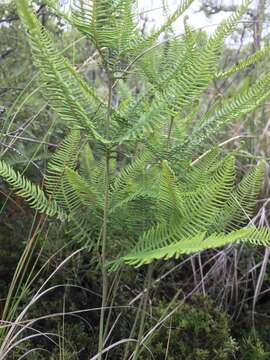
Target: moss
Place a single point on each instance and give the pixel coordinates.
(253, 347)
(198, 330)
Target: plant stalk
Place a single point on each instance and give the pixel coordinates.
(104, 227)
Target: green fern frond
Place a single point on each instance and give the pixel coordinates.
(80, 192)
(169, 197)
(185, 86)
(146, 43)
(84, 204)
(202, 205)
(245, 102)
(87, 162)
(110, 25)
(196, 220)
(245, 63)
(202, 171)
(193, 245)
(65, 156)
(188, 213)
(81, 229)
(242, 202)
(129, 172)
(182, 125)
(67, 91)
(34, 196)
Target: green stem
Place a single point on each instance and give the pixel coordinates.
(104, 228)
(170, 132)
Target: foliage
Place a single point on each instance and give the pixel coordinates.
(185, 219)
(197, 330)
(131, 180)
(253, 348)
(253, 335)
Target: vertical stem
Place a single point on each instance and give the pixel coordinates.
(169, 132)
(258, 19)
(104, 227)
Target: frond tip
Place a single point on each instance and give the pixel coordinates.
(30, 192)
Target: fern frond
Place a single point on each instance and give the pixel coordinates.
(245, 63)
(65, 156)
(143, 46)
(87, 162)
(188, 213)
(201, 172)
(84, 203)
(110, 25)
(169, 197)
(240, 207)
(129, 172)
(197, 220)
(34, 196)
(186, 85)
(193, 245)
(245, 102)
(80, 192)
(113, 25)
(202, 205)
(66, 90)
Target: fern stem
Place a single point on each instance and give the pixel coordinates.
(105, 223)
(170, 132)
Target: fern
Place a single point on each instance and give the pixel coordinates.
(134, 171)
(185, 85)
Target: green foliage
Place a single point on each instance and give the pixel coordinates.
(242, 201)
(253, 334)
(198, 330)
(65, 156)
(253, 348)
(66, 90)
(189, 219)
(245, 63)
(243, 103)
(167, 207)
(130, 180)
(30, 192)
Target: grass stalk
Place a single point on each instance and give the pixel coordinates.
(142, 322)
